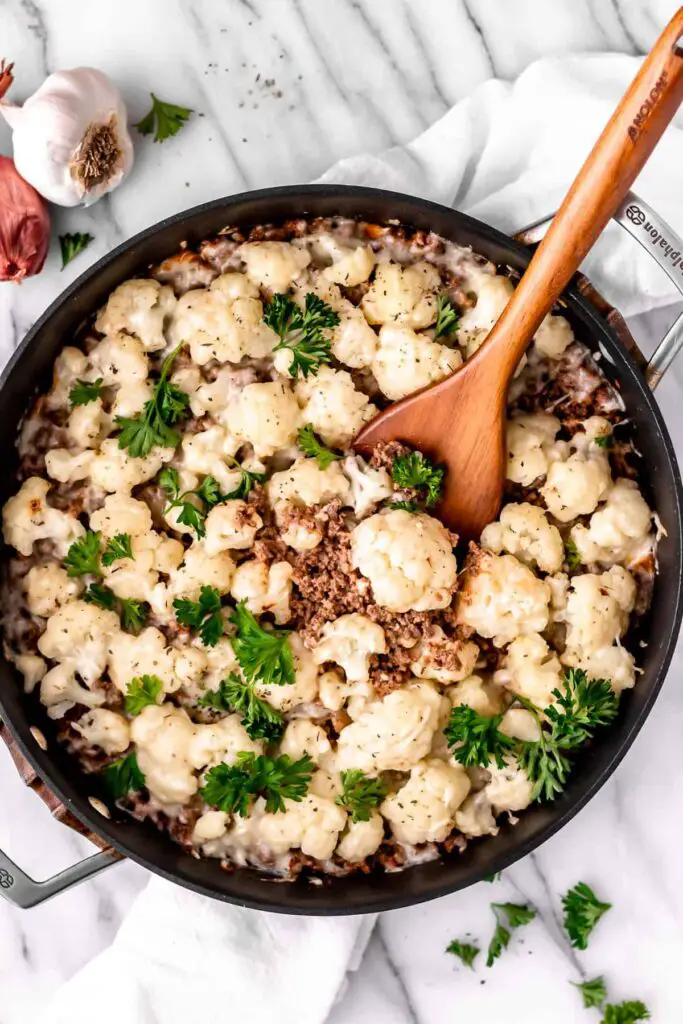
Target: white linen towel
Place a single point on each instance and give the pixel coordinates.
(506, 155)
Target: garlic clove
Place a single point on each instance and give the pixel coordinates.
(71, 140)
(24, 226)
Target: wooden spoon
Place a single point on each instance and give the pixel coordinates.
(461, 420)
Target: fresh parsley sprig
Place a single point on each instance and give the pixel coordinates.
(164, 119)
(516, 915)
(98, 593)
(233, 788)
(476, 739)
(123, 776)
(118, 547)
(310, 445)
(446, 317)
(83, 556)
(85, 391)
(260, 720)
(301, 330)
(263, 655)
(248, 480)
(142, 691)
(203, 615)
(154, 425)
(465, 951)
(593, 993)
(190, 514)
(360, 794)
(582, 911)
(629, 1012)
(133, 614)
(572, 557)
(415, 472)
(604, 440)
(71, 245)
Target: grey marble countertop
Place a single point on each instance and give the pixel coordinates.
(287, 87)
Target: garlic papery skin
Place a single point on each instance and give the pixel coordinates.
(71, 139)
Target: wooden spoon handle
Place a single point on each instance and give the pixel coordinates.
(613, 164)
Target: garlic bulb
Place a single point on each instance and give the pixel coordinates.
(70, 138)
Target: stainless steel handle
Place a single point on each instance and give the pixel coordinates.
(665, 247)
(23, 891)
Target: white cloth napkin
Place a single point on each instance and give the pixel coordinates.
(506, 155)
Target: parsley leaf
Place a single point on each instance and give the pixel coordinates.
(477, 738)
(154, 425)
(415, 471)
(71, 245)
(582, 911)
(203, 615)
(547, 768)
(301, 331)
(142, 690)
(164, 119)
(169, 481)
(465, 951)
(572, 557)
(247, 481)
(593, 993)
(626, 1013)
(209, 491)
(262, 654)
(604, 440)
(446, 317)
(97, 593)
(360, 794)
(83, 556)
(190, 514)
(516, 915)
(492, 878)
(85, 391)
(260, 720)
(584, 705)
(233, 788)
(310, 445)
(133, 614)
(122, 776)
(118, 547)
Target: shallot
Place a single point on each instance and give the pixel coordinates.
(24, 225)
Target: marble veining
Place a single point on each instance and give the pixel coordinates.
(282, 89)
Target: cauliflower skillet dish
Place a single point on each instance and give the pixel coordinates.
(271, 648)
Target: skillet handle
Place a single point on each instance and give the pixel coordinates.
(664, 246)
(15, 885)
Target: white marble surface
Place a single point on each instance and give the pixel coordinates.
(410, 60)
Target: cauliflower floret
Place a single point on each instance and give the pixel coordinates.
(521, 724)
(391, 734)
(120, 359)
(274, 265)
(408, 559)
(87, 424)
(335, 690)
(598, 608)
(264, 588)
(60, 691)
(510, 788)
(613, 663)
(305, 686)
(31, 667)
(311, 825)
(330, 403)
(223, 322)
(353, 340)
(77, 635)
(304, 483)
(105, 729)
(403, 295)
(205, 453)
(475, 818)
(406, 361)
(27, 518)
(619, 529)
(531, 446)
(524, 531)
(531, 669)
(299, 527)
(122, 514)
(553, 336)
(114, 470)
(135, 578)
(141, 308)
(68, 467)
(211, 825)
(575, 485)
(362, 838)
(162, 735)
(368, 486)
(302, 736)
(493, 295)
(199, 569)
(423, 811)
(443, 658)
(69, 365)
(48, 587)
(350, 641)
(130, 400)
(220, 742)
(220, 661)
(475, 693)
(351, 266)
(266, 415)
(231, 526)
(146, 654)
(502, 599)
